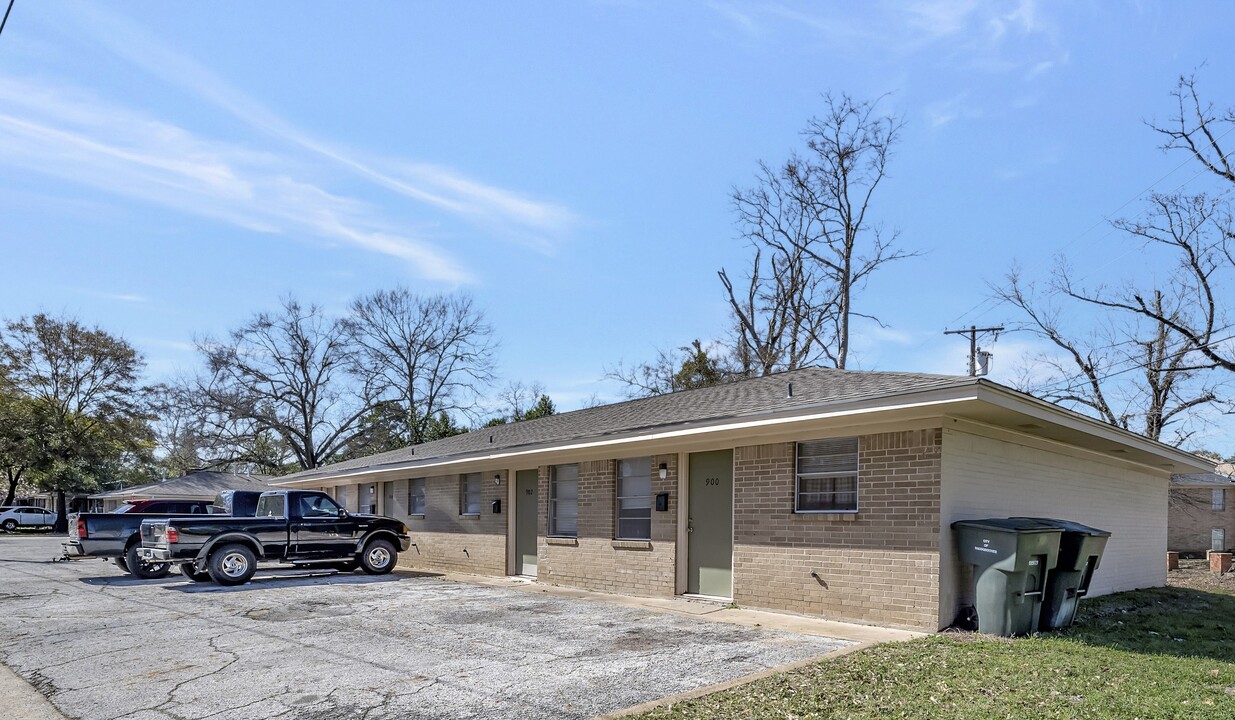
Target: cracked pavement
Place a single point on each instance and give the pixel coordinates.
(102, 645)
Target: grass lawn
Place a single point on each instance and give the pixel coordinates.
(1159, 653)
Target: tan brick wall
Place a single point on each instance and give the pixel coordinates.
(444, 540)
(879, 565)
(596, 562)
(1190, 519)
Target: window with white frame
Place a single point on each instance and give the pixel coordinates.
(827, 476)
(1218, 502)
(469, 494)
(634, 499)
(564, 501)
(416, 496)
(1217, 539)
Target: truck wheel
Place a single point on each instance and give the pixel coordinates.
(232, 564)
(143, 570)
(121, 563)
(186, 569)
(10, 525)
(378, 557)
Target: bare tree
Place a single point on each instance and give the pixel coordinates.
(814, 245)
(428, 354)
(1131, 373)
(687, 368)
(281, 380)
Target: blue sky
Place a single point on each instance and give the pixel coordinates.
(167, 169)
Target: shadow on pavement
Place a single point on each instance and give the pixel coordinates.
(296, 579)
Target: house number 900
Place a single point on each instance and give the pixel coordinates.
(711, 481)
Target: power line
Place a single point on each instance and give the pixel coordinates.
(6, 16)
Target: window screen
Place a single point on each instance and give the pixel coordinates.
(564, 501)
(416, 497)
(634, 499)
(827, 475)
(1217, 539)
(1219, 499)
(469, 494)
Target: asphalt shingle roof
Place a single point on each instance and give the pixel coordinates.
(205, 483)
(811, 387)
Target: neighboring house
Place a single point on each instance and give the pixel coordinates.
(1202, 511)
(818, 491)
(200, 485)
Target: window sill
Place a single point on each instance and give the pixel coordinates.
(417, 515)
(829, 515)
(469, 515)
(567, 541)
(632, 544)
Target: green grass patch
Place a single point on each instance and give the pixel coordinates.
(1158, 653)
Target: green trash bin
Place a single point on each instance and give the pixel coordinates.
(1011, 559)
(1080, 551)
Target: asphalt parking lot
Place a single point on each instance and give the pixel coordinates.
(102, 645)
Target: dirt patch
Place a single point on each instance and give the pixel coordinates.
(1195, 575)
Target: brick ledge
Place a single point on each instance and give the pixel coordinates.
(569, 541)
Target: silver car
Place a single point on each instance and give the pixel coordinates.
(25, 516)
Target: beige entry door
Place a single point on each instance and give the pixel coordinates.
(709, 555)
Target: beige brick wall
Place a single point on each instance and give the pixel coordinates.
(879, 565)
(1191, 519)
(444, 540)
(595, 561)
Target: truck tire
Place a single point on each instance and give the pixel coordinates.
(143, 570)
(121, 563)
(186, 569)
(231, 564)
(378, 557)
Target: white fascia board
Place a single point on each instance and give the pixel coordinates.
(904, 401)
(1048, 412)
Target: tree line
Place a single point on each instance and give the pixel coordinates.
(288, 390)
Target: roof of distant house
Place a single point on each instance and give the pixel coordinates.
(203, 484)
(1222, 476)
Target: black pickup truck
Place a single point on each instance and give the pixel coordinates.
(117, 535)
(297, 527)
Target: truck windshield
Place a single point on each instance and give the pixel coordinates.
(271, 506)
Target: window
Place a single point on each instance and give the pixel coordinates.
(564, 501)
(1219, 499)
(469, 494)
(827, 475)
(416, 497)
(318, 506)
(1217, 539)
(271, 506)
(634, 499)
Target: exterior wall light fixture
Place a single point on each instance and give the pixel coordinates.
(664, 471)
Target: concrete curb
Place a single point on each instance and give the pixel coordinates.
(718, 687)
(20, 701)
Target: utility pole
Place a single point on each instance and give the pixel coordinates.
(973, 332)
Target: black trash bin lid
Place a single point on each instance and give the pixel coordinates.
(1009, 525)
(1070, 526)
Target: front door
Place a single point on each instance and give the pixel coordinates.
(709, 555)
(388, 499)
(526, 516)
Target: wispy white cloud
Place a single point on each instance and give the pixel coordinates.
(71, 135)
(536, 223)
(123, 297)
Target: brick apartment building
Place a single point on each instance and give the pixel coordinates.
(817, 491)
(1201, 515)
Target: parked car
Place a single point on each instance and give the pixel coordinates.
(19, 516)
(117, 535)
(167, 507)
(297, 527)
